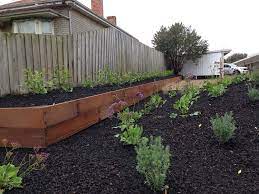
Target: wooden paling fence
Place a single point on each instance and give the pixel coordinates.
(84, 55)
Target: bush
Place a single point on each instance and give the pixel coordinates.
(153, 161)
(88, 84)
(131, 135)
(223, 127)
(61, 79)
(35, 82)
(253, 94)
(155, 101)
(216, 90)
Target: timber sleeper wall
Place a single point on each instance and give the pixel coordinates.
(45, 125)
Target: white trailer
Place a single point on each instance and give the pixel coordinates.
(207, 65)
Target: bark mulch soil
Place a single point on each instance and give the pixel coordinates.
(58, 96)
(94, 161)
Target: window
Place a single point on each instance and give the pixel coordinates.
(33, 26)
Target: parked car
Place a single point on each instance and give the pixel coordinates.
(231, 69)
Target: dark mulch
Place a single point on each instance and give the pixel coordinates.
(58, 96)
(94, 161)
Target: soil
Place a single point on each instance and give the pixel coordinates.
(59, 96)
(94, 161)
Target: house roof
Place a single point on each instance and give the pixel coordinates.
(249, 60)
(21, 6)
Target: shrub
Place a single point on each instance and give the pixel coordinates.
(155, 101)
(253, 94)
(131, 135)
(153, 161)
(223, 127)
(35, 82)
(216, 90)
(11, 175)
(61, 79)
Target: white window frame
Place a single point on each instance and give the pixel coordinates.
(37, 25)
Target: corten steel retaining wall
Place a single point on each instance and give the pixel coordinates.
(84, 55)
(44, 125)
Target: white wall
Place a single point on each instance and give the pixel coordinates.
(207, 65)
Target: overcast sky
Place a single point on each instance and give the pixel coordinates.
(229, 24)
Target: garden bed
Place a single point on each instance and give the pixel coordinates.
(44, 125)
(59, 96)
(94, 161)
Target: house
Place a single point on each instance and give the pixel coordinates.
(207, 65)
(252, 62)
(57, 17)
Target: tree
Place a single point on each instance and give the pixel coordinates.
(235, 57)
(179, 43)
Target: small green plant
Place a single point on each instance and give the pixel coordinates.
(255, 77)
(128, 118)
(183, 104)
(131, 135)
(226, 81)
(253, 94)
(239, 78)
(61, 79)
(11, 175)
(216, 90)
(172, 93)
(223, 127)
(88, 84)
(155, 101)
(173, 115)
(153, 161)
(35, 82)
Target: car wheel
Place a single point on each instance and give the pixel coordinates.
(236, 72)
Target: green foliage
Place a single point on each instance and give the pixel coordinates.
(191, 94)
(88, 84)
(253, 94)
(183, 104)
(128, 118)
(239, 78)
(9, 177)
(173, 115)
(155, 101)
(226, 81)
(153, 161)
(255, 77)
(235, 57)
(35, 82)
(223, 127)
(216, 90)
(61, 79)
(179, 43)
(131, 135)
(172, 93)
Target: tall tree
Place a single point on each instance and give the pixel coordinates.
(179, 43)
(235, 57)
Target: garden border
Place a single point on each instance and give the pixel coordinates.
(44, 125)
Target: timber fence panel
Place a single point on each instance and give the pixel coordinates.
(84, 55)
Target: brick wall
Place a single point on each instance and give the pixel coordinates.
(97, 7)
(61, 25)
(81, 23)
